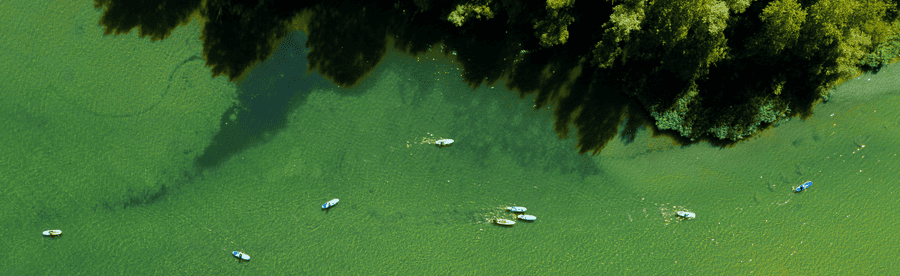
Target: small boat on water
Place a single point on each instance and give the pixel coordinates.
(52, 233)
(241, 256)
(517, 209)
(443, 143)
(330, 203)
(803, 187)
(686, 214)
(527, 217)
(504, 222)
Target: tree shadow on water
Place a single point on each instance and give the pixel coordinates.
(349, 39)
(346, 41)
(265, 99)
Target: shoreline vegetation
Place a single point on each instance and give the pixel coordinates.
(695, 70)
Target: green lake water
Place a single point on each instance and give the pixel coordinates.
(102, 134)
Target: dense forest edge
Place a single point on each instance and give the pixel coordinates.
(699, 70)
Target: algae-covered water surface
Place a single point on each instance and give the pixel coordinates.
(133, 151)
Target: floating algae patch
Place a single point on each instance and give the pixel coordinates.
(487, 215)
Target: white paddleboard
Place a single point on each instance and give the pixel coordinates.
(517, 209)
(443, 142)
(241, 255)
(330, 203)
(686, 214)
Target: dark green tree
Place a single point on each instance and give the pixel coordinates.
(782, 21)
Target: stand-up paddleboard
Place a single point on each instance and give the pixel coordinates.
(686, 214)
(517, 209)
(330, 203)
(443, 143)
(52, 233)
(241, 256)
(803, 187)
